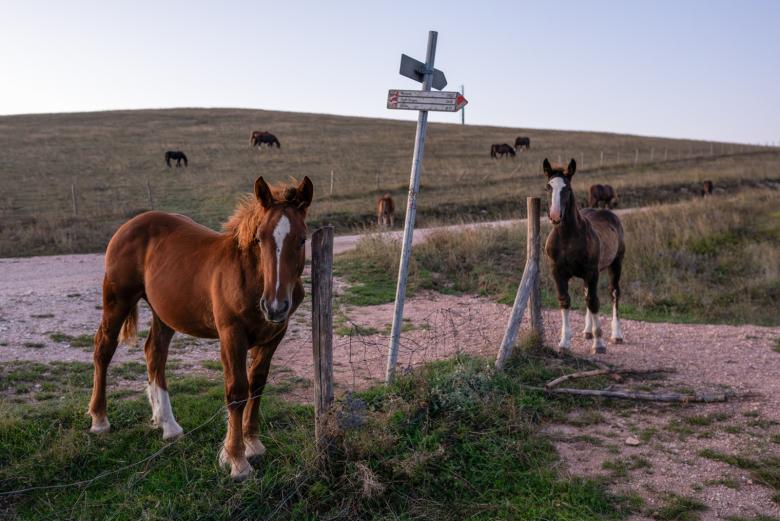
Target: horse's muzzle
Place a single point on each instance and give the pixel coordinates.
(277, 314)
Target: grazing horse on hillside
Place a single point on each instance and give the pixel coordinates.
(707, 188)
(385, 211)
(602, 194)
(522, 142)
(261, 137)
(581, 244)
(502, 150)
(176, 155)
(240, 286)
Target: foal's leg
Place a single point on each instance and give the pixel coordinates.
(593, 306)
(562, 284)
(233, 352)
(587, 331)
(258, 374)
(614, 290)
(115, 310)
(156, 351)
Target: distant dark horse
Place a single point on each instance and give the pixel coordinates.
(523, 142)
(581, 244)
(501, 150)
(178, 155)
(707, 188)
(385, 211)
(261, 137)
(602, 194)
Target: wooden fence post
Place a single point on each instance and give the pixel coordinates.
(331, 182)
(73, 199)
(322, 334)
(533, 247)
(149, 194)
(525, 289)
(666, 153)
(636, 157)
(601, 161)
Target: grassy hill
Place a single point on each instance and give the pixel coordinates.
(113, 163)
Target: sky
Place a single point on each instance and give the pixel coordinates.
(686, 68)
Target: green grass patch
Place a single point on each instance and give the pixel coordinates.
(680, 508)
(765, 470)
(34, 345)
(214, 365)
(450, 440)
(83, 341)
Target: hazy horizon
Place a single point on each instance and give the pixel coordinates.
(700, 70)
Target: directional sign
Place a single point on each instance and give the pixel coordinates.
(425, 100)
(415, 70)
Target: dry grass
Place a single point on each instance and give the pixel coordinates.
(109, 158)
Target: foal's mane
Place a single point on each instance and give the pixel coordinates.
(249, 213)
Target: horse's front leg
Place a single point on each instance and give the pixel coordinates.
(258, 374)
(562, 284)
(592, 282)
(233, 353)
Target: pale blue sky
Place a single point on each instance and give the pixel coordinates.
(696, 68)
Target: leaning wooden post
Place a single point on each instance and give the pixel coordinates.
(530, 273)
(73, 199)
(149, 194)
(533, 246)
(322, 333)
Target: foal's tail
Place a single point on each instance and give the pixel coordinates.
(129, 331)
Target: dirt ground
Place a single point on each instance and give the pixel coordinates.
(41, 297)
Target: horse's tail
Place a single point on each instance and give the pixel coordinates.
(252, 139)
(184, 157)
(129, 331)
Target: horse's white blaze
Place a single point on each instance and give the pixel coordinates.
(565, 330)
(280, 233)
(616, 331)
(162, 414)
(557, 184)
(588, 321)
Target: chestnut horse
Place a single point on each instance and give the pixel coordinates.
(385, 211)
(707, 188)
(602, 194)
(581, 244)
(240, 286)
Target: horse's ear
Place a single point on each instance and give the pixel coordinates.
(305, 193)
(263, 193)
(571, 168)
(547, 168)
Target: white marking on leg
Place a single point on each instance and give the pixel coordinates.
(588, 323)
(162, 414)
(280, 232)
(253, 447)
(565, 330)
(557, 184)
(598, 342)
(617, 333)
(99, 425)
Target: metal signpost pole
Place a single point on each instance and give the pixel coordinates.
(411, 207)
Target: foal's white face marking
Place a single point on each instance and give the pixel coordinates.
(280, 233)
(557, 184)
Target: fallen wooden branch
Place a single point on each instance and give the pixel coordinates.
(642, 396)
(603, 372)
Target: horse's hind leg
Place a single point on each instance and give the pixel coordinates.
(116, 309)
(593, 307)
(614, 290)
(156, 352)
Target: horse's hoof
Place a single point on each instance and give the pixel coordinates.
(100, 425)
(171, 431)
(600, 350)
(588, 335)
(240, 470)
(253, 448)
(564, 350)
(617, 340)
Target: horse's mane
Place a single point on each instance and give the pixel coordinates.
(249, 213)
